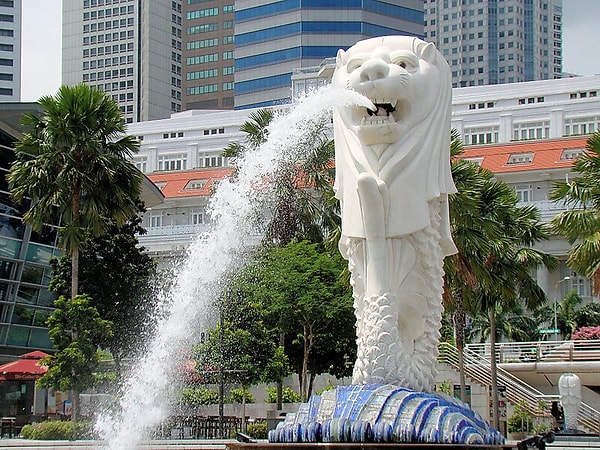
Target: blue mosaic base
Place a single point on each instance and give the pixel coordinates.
(384, 413)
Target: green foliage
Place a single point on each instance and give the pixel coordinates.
(53, 430)
(304, 297)
(237, 396)
(288, 395)
(258, 430)
(104, 379)
(542, 428)
(199, 396)
(76, 331)
(75, 163)
(588, 315)
(328, 387)
(445, 387)
(580, 223)
(566, 313)
(520, 419)
(116, 273)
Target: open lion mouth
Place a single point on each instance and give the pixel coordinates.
(383, 112)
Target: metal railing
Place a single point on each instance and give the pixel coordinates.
(550, 351)
(478, 368)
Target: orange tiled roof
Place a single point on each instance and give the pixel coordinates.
(173, 184)
(546, 154)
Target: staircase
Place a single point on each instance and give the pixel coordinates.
(478, 368)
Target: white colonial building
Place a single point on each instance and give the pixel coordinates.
(527, 133)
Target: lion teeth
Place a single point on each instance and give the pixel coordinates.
(377, 120)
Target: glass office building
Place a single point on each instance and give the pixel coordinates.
(496, 42)
(274, 38)
(25, 302)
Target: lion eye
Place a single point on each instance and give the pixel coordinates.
(353, 65)
(402, 64)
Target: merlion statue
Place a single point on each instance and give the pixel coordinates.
(393, 179)
(569, 387)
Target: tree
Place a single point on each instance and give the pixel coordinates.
(512, 323)
(300, 287)
(470, 232)
(305, 204)
(495, 239)
(241, 343)
(116, 273)
(74, 165)
(295, 291)
(566, 313)
(76, 331)
(306, 207)
(580, 223)
(588, 315)
(509, 265)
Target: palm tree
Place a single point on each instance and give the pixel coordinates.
(580, 223)
(74, 166)
(512, 323)
(509, 266)
(494, 238)
(566, 313)
(306, 207)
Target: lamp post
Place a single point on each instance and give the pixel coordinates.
(567, 278)
(221, 371)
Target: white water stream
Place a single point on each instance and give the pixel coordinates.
(210, 258)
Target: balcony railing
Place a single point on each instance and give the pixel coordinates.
(177, 230)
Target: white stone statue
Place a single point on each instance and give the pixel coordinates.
(393, 179)
(569, 387)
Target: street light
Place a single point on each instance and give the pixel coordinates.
(567, 278)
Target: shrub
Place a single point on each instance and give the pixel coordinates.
(237, 395)
(328, 387)
(199, 396)
(587, 333)
(257, 430)
(288, 395)
(53, 430)
(444, 387)
(520, 419)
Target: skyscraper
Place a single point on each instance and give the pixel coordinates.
(129, 48)
(497, 41)
(10, 50)
(208, 41)
(273, 38)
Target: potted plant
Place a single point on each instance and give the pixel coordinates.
(519, 423)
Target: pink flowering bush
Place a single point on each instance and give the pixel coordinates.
(587, 333)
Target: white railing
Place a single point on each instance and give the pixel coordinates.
(548, 209)
(478, 368)
(177, 230)
(513, 352)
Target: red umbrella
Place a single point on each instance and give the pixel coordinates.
(26, 368)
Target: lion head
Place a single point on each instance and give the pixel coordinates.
(401, 75)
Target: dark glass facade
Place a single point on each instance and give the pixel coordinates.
(25, 302)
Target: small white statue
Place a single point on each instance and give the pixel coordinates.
(393, 179)
(569, 387)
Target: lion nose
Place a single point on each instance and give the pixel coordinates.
(374, 69)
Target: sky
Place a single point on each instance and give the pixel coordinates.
(41, 45)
